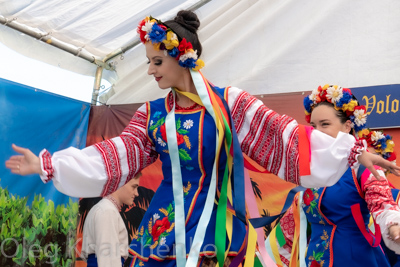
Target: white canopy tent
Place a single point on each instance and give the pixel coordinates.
(263, 47)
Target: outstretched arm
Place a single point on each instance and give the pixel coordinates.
(370, 160)
(96, 170)
(274, 142)
(383, 208)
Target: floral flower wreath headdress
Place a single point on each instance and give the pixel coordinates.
(342, 99)
(382, 143)
(162, 37)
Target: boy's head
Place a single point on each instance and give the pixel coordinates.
(127, 193)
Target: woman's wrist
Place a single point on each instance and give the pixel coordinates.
(389, 226)
(356, 151)
(45, 166)
(38, 166)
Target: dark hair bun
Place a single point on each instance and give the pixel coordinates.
(185, 25)
(188, 19)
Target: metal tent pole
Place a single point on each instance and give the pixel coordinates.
(48, 39)
(78, 51)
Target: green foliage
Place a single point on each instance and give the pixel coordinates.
(41, 235)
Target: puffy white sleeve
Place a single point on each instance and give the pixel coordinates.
(272, 140)
(100, 169)
(329, 159)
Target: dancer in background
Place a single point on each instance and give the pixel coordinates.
(199, 132)
(105, 238)
(338, 216)
(393, 256)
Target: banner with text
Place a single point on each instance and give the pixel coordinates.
(382, 103)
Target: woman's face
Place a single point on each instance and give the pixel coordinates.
(324, 119)
(164, 68)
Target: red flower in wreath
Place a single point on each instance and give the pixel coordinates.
(183, 46)
(159, 227)
(368, 138)
(141, 33)
(346, 90)
(308, 118)
(308, 196)
(321, 97)
(314, 263)
(361, 108)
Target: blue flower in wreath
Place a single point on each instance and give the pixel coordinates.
(157, 34)
(307, 104)
(188, 63)
(344, 100)
(173, 52)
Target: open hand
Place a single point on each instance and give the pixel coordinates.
(24, 164)
(369, 160)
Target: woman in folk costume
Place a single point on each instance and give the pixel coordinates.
(392, 255)
(382, 144)
(199, 132)
(338, 216)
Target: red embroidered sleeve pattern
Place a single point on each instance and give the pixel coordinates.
(264, 142)
(138, 148)
(285, 261)
(292, 159)
(378, 196)
(47, 166)
(287, 227)
(241, 106)
(259, 142)
(140, 151)
(109, 153)
(137, 158)
(265, 136)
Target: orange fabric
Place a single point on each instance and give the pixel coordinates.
(304, 152)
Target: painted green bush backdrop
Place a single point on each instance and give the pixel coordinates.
(40, 235)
